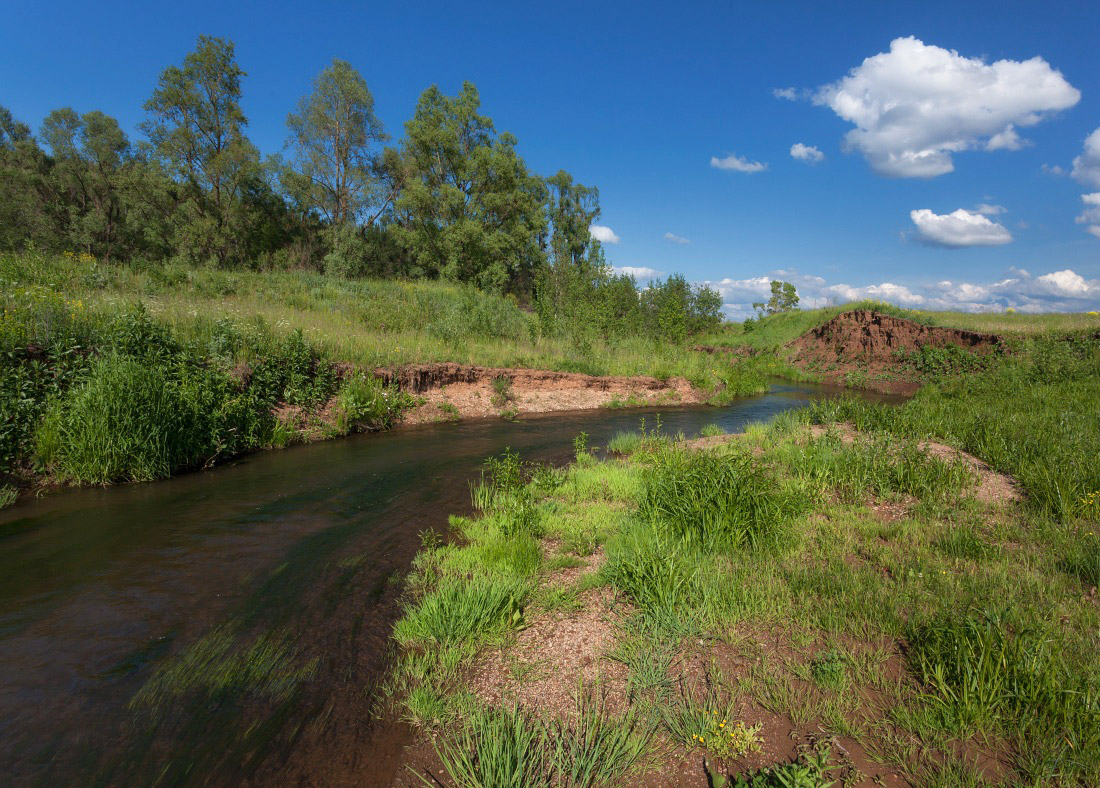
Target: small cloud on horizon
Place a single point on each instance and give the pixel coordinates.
(991, 210)
(676, 239)
(735, 163)
(790, 94)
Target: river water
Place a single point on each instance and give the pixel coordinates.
(290, 558)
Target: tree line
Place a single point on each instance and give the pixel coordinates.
(452, 199)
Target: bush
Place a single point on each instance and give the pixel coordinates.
(129, 422)
(365, 403)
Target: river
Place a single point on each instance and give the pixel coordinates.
(292, 558)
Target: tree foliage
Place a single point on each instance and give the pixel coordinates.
(453, 199)
(784, 298)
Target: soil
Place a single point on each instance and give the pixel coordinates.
(451, 391)
(863, 341)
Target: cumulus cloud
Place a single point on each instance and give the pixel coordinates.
(916, 105)
(1091, 214)
(1058, 291)
(737, 164)
(958, 229)
(676, 239)
(604, 235)
(807, 153)
(991, 210)
(1086, 167)
(639, 272)
(790, 94)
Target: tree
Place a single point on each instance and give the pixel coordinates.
(24, 198)
(470, 210)
(571, 208)
(784, 299)
(90, 157)
(333, 135)
(196, 127)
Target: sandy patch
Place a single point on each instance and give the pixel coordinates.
(450, 390)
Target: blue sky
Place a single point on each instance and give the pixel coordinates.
(639, 99)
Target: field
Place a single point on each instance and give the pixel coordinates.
(855, 593)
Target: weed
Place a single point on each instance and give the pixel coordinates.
(829, 670)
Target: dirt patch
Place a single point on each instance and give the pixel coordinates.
(554, 657)
(454, 390)
(864, 345)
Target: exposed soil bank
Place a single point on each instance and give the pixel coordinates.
(452, 391)
(873, 344)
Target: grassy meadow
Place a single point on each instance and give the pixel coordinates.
(118, 373)
(828, 579)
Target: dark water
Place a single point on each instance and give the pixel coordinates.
(293, 553)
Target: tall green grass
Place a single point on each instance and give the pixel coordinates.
(1032, 416)
(718, 500)
(985, 673)
(513, 748)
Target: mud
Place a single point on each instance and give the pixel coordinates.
(868, 344)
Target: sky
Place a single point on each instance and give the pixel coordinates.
(936, 155)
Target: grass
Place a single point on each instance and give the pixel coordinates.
(949, 633)
(511, 747)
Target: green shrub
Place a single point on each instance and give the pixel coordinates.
(129, 422)
(363, 402)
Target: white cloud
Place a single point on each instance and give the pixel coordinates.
(641, 273)
(807, 153)
(916, 105)
(1086, 167)
(1006, 140)
(990, 210)
(1058, 291)
(604, 235)
(1053, 169)
(737, 164)
(676, 239)
(1091, 214)
(790, 94)
(958, 229)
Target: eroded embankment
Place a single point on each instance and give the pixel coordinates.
(452, 391)
(878, 351)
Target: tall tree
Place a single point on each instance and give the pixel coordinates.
(91, 155)
(197, 130)
(23, 199)
(334, 137)
(571, 208)
(470, 210)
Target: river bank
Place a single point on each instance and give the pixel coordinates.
(852, 593)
